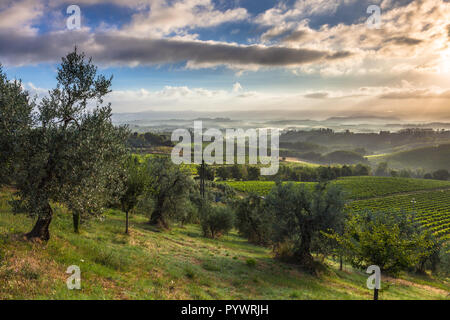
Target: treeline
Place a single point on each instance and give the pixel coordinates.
(317, 154)
(148, 140)
(383, 170)
(286, 173)
(370, 141)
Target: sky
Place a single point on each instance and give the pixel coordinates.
(312, 58)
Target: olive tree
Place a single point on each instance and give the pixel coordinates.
(134, 181)
(169, 187)
(301, 214)
(252, 219)
(73, 151)
(16, 119)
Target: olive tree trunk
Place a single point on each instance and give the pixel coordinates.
(76, 222)
(40, 230)
(157, 218)
(304, 253)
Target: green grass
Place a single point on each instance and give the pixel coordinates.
(257, 187)
(355, 187)
(177, 264)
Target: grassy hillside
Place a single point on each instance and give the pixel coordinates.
(429, 158)
(355, 187)
(178, 264)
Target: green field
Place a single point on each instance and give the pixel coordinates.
(370, 187)
(355, 187)
(432, 208)
(430, 199)
(176, 264)
(257, 187)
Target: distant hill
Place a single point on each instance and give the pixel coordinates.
(362, 118)
(343, 157)
(429, 158)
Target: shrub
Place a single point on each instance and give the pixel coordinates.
(251, 263)
(216, 221)
(252, 220)
(444, 260)
(390, 240)
(190, 272)
(284, 251)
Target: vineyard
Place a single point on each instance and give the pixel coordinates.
(371, 187)
(432, 208)
(430, 199)
(258, 187)
(355, 187)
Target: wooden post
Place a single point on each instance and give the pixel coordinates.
(202, 179)
(375, 294)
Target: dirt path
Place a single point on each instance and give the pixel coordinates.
(408, 283)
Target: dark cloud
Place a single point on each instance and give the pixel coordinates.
(404, 41)
(317, 95)
(295, 36)
(110, 49)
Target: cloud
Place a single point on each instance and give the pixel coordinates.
(423, 103)
(301, 9)
(407, 41)
(412, 34)
(117, 49)
(317, 95)
(237, 87)
(163, 18)
(295, 36)
(416, 94)
(19, 15)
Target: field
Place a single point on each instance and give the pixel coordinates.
(355, 187)
(430, 199)
(257, 187)
(432, 208)
(177, 264)
(370, 187)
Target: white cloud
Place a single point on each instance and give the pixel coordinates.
(237, 87)
(161, 18)
(20, 15)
